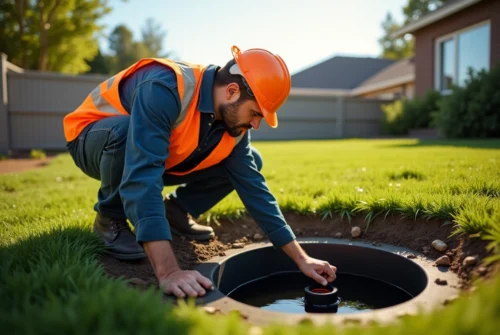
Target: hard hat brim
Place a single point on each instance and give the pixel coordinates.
(271, 118)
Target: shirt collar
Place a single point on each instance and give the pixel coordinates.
(206, 103)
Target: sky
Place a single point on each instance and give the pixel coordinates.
(303, 33)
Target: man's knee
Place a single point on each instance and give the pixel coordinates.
(118, 133)
(258, 158)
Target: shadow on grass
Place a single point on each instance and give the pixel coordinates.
(463, 143)
(53, 281)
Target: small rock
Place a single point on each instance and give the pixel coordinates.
(470, 260)
(482, 270)
(222, 254)
(316, 233)
(356, 232)
(244, 226)
(426, 250)
(254, 330)
(440, 281)
(258, 237)
(238, 245)
(439, 245)
(244, 239)
(443, 260)
(411, 256)
(211, 309)
(338, 235)
(377, 244)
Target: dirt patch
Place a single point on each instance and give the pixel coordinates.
(21, 161)
(21, 164)
(416, 235)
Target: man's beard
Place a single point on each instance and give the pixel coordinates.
(229, 113)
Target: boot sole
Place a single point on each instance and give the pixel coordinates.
(125, 257)
(196, 237)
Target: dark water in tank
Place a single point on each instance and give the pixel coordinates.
(284, 292)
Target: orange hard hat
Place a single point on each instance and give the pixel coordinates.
(268, 77)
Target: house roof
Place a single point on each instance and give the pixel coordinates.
(339, 73)
(449, 8)
(398, 73)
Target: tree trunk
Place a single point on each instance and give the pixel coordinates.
(44, 27)
(42, 58)
(20, 19)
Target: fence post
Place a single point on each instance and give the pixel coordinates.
(4, 112)
(340, 116)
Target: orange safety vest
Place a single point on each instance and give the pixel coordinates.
(104, 101)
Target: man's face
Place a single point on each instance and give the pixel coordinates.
(238, 116)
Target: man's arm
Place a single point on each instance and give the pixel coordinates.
(154, 109)
(253, 191)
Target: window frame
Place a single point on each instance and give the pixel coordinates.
(454, 36)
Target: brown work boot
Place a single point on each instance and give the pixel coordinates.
(119, 240)
(182, 224)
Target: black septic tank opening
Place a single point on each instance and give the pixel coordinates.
(293, 292)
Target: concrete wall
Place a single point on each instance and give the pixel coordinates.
(33, 105)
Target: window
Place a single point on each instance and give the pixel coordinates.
(457, 52)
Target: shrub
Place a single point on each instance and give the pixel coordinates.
(403, 115)
(393, 118)
(474, 109)
(418, 111)
(37, 154)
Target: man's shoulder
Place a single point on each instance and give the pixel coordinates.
(157, 71)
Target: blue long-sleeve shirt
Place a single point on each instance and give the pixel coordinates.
(150, 96)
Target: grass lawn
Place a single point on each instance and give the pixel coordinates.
(51, 280)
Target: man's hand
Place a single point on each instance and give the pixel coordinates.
(185, 283)
(321, 271)
(172, 279)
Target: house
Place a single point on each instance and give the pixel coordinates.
(459, 35)
(364, 77)
(392, 82)
(338, 74)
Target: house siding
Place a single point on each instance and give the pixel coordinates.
(425, 39)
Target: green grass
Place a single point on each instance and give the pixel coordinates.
(50, 279)
(452, 181)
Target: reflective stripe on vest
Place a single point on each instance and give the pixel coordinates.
(104, 101)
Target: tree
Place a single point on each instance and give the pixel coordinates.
(152, 38)
(404, 46)
(394, 48)
(415, 9)
(101, 64)
(51, 35)
(125, 50)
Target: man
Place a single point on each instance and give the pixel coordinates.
(161, 122)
